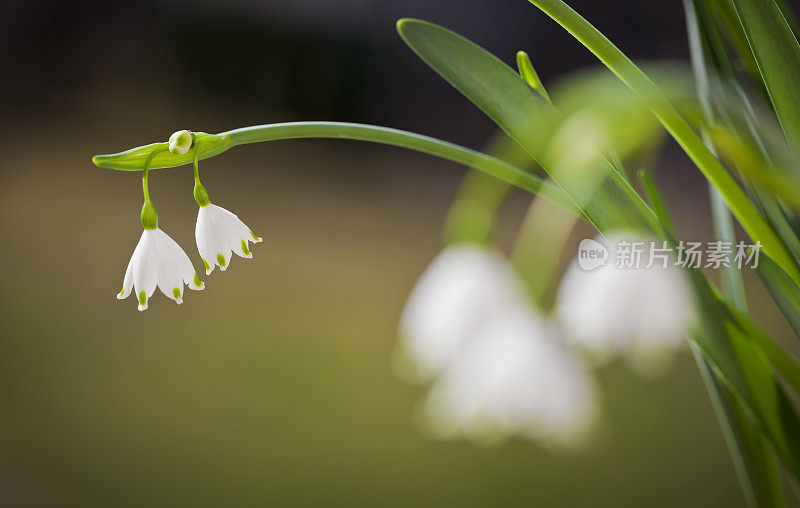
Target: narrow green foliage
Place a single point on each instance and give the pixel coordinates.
(756, 226)
(777, 54)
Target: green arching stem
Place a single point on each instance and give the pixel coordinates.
(676, 125)
(130, 160)
(388, 136)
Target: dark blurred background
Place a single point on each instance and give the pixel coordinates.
(274, 386)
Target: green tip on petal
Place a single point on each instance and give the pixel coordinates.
(121, 291)
(142, 298)
(176, 293)
(256, 238)
(221, 260)
(197, 281)
(208, 268)
(244, 248)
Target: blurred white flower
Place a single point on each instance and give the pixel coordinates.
(219, 233)
(159, 261)
(515, 377)
(638, 313)
(459, 291)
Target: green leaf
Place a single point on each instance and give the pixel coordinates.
(603, 195)
(777, 54)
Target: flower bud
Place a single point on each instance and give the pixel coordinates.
(200, 194)
(149, 215)
(180, 142)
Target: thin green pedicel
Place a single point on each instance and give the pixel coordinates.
(149, 216)
(200, 194)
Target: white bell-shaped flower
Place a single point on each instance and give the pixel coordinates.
(460, 290)
(515, 377)
(638, 312)
(159, 261)
(219, 233)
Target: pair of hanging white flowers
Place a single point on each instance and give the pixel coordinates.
(158, 260)
(499, 366)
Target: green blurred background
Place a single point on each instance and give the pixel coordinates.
(274, 385)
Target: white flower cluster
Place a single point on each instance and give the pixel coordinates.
(158, 261)
(499, 367)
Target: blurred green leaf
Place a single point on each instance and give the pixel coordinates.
(783, 290)
(738, 202)
(777, 53)
(751, 453)
(597, 188)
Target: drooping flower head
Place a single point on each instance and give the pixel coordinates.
(460, 289)
(639, 313)
(515, 377)
(157, 260)
(218, 233)
(498, 367)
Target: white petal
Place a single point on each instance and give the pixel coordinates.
(127, 282)
(201, 234)
(171, 260)
(145, 270)
(183, 266)
(456, 293)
